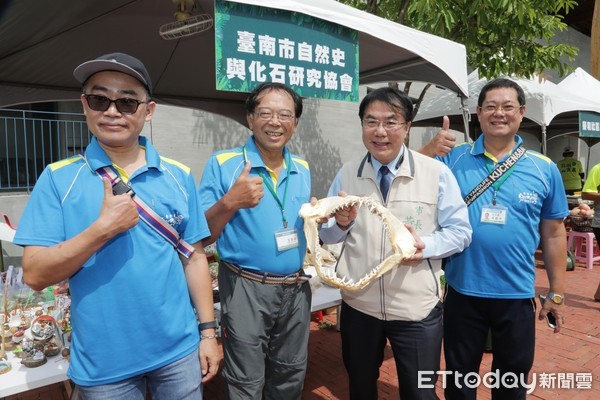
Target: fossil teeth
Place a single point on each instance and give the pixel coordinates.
(402, 241)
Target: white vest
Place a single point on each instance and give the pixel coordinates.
(410, 291)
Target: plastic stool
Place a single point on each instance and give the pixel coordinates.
(586, 255)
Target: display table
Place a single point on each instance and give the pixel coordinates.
(325, 297)
(21, 378)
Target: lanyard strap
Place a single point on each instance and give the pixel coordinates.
(495, 175)
(147, 214)
(498, 182)
(272, 189)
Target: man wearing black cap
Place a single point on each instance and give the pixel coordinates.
(117, 223)
(571, 171)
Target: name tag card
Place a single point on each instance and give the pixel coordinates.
(494, 214)
(286, 239)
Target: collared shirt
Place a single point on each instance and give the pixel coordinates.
(452, 215)
(393, 166)
(500, 263)
(248, 239)
(131, 311)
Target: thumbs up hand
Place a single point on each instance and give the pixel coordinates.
(444, 140)
(247, 190)
(118, 213)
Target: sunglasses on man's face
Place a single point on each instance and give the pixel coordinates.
(124, 105)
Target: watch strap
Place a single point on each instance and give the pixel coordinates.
(207, 325)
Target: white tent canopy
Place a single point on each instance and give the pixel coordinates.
(580, 83)
(544, 100)
(42, 41)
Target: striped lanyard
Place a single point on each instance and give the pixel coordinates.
(494, 175)
(147, 214)
(269, 185)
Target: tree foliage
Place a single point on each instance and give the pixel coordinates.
(502, 37)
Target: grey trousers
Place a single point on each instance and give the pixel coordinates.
(265, 331)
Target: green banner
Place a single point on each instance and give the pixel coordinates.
(258, 44)
(589, 124)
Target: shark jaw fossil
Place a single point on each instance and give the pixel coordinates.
(402, 241)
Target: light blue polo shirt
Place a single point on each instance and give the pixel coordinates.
(131, 311)
(500, 262)
(248, 240)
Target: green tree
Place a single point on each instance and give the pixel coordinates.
(502, 37)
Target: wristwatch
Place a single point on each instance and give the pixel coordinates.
(207, 325)
(556, 298)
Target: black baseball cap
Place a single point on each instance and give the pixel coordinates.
(114, 62)
(568, 150)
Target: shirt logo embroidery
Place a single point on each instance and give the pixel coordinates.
(530, 198)
(174, 219)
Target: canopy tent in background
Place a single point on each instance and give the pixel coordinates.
(43, 41)
(580, 83)
(551, 110)
(438, 102)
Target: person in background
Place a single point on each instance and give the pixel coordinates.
(403, 306)
(491, 283)
(133, 295)
(571, 171)
(252, 195)
(591, 191)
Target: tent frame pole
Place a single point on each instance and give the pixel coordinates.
(466, 114)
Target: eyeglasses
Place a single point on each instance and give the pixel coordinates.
(267, 115)
(508, 108)
(124, 105)
(389, 125)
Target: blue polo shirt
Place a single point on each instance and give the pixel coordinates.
(131, 311)
(248, 240)
(500, 262)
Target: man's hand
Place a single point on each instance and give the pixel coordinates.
(419, 245)
(313, 202)
(557, 310)
(442, 143)
(247, 191)
(118, 213)
(346, 215)
(210, 358)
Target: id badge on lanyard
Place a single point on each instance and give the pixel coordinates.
(494, 214)
(286, 239)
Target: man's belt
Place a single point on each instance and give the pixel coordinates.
(267, 277)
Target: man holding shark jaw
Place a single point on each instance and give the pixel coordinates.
(404, 305)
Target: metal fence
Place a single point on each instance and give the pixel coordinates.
(30, 140)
